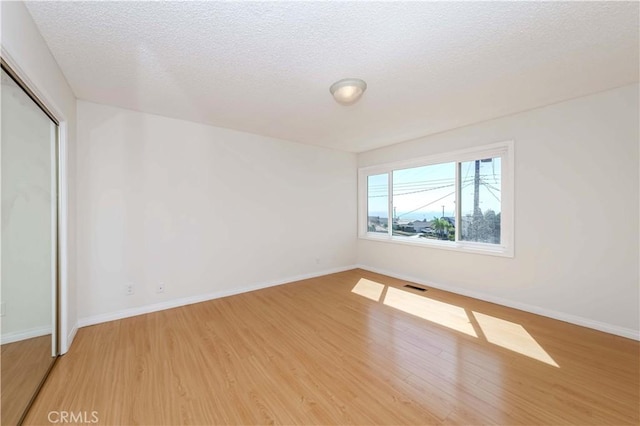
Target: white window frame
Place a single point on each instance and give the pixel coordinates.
(504, 150)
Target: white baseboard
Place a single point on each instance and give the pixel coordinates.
(573, 319)
(140, 310)
(17, 336)
(70, 337)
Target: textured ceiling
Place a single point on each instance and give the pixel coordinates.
(266, 67)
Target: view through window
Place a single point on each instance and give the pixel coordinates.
(378, 203)
(480, 199)
(424, 202)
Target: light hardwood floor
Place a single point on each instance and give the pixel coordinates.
(347, 348)
(24, 365)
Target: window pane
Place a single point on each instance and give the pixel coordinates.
(424, 202)
(378, 203)
(480, 200)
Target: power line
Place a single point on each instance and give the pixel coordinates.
(490, 186)
(418, 183)
(423, 190)
(491, 192)
(412, 192)
(428, 204)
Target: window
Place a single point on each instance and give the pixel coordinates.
(458, 201)
(481, 200)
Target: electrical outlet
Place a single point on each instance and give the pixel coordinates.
(160, 288)
(129, 289)
(3, 308)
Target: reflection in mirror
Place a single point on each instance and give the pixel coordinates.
(29, 249)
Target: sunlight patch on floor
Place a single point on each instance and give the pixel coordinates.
(503, 333)
(369, 289)
(445, 314)
(512, 336)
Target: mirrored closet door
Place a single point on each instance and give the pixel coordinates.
(29, 273)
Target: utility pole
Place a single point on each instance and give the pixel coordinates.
(477, 213)
(476, 190)
(443, 211)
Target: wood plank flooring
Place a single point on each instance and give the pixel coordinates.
(24, 364)
(348, 348)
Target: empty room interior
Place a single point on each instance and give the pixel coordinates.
(320, 213)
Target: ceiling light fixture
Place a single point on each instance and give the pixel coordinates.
(348, 90)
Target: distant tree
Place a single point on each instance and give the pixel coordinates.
(491, 228)
(442, 227)
(484, 228)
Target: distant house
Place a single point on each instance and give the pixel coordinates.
(421, 225)
(403, 225)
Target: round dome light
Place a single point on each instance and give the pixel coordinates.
(348, 90)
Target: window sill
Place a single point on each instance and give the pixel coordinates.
(464, 247)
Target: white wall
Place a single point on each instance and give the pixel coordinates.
(207, 211)
(25, 50)
(576, 214)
